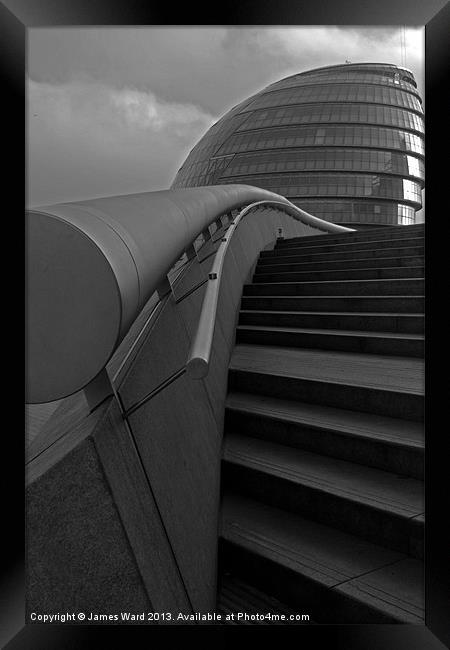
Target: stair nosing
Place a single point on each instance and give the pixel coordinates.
(270, 373)
(296, 296)
(356, 250)
(336, 242)
(320, 570)
(395, 336)
(352, 430)
(375, 268)
(361, 280)
(333, 313)
(361, 259)
(370, 499)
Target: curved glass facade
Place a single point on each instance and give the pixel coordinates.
(334, 77)
(323, 159)
(344, 142)
(306, 136)
(334, 114)
(341, 92)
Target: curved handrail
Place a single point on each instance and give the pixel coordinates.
(197, 365)
(93, 265)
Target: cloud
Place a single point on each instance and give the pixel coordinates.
(143, 111)
(311, 47)
(210, 67)
(183, 65)
(115, 140)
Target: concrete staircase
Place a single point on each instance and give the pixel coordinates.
(322, 472)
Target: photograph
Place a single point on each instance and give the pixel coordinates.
(271, 384)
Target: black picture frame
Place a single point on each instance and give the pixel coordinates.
(16, 16)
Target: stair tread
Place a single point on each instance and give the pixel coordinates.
(314, 550)
(371, 281)
(397, 495)
(359, 259)
(382, 428)
(238, 596)
(352, 287)
(332, 313)
(364, 333)
(395, 589)
(312, 250)
(394, 267)
(335, 256)
(261, 270)
(322, 297)
(384, 241)
(386, 230)
(351, 238)
(336, 303)
(356, 369)
(345, 239)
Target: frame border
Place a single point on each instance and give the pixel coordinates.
(18, 15)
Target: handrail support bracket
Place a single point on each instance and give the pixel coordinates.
(98, 390)
(191, 253)
(163, 288)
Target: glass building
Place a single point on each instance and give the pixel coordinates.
(344, 142)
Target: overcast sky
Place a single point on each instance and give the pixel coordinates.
(115, 111)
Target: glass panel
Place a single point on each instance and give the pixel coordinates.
(336, 92)
(333, 135)
(324, 159)
(353, 212)
(296, 185)
(383, 77)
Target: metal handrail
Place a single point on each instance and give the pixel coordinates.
(93, 265)
(197, 365)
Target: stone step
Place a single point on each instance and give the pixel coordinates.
(239, 603)
(297, 256)
(383, 304)
(391, 287)
(385, 343)
(377, 235)
(278, 265)
(343, 245)
(390, 444)
(391, 386)
(368, 322)
(375, 505)
(330, 575)
(340, 274)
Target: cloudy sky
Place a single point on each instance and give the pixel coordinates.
(115, 111)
